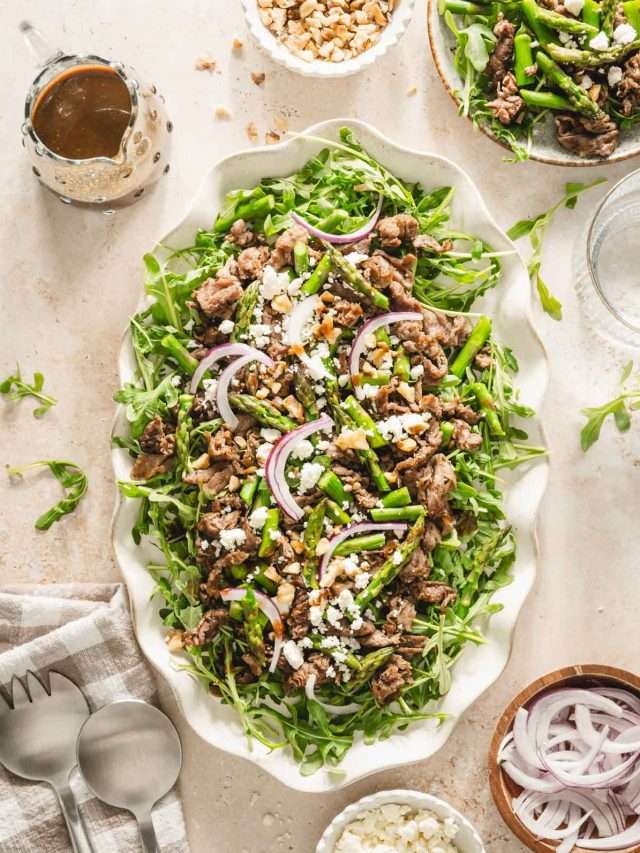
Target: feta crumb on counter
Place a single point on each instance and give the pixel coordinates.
(398, 828)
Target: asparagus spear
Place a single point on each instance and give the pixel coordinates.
(591, 13)
(546, 100)
(400, 513)
(332, 220)
(356, 280)
(402, 365)
(336, 513)
(318, 276)
(333, 487)
(304, 393)
(183, 431)
(312, 535)
(488, 406)
(244, 311)
(396, 498)
(179, 353)
(447, 429)
(470, 588)
(465, 7)
(563, 23)
(608, 16)
(248, 490)
(263, 412)
(392, 567)
(591, 58)
(632, 13)
(523, 59)
(270, 533)
(300, 257)
(253, 625)
(357, 544)
(369, 664)
(542, 32)
(575, 93)
(256, 208)
(472, 346)
(364, 420)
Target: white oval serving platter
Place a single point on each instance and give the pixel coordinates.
(509, 304)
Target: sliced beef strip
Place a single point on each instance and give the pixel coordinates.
(431, 537)
(298, 621)
(428, 243)
(432, 592)
(347, 313)
(401, 614)
(586, 137)
(501, 58)
(398, 229)
(628, 89)
(411, 645)
(417, 567)
(456, 409)
(317, 665)
(241, 234)
(218, 297)
(378, 639)
(149, 465)
(251, 262)
(282, 254)
(387, 684)
(430, 478)
(359, 484)
(207, 628)
(212, 480)
(464, 438)
(158, 437)
(211, 523)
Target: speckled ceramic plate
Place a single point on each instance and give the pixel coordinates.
(509, 305)
(545, 147)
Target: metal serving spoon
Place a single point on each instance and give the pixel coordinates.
(38, 734)
(130, 756)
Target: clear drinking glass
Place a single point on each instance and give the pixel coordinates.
(613, 257)
(102, 182)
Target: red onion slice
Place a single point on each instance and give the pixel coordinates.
(372, 325)
(214, 355)
(298, 319)
(224, 380)
(335, 710)
(361, 527)
(276, 463)
(341, 239)
(270, 610)
(622, 841)
(547, 785)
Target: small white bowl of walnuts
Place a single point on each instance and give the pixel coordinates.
(327, 38)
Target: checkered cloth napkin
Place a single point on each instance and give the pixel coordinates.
(85, 632)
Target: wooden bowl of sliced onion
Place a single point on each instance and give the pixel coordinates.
(564, 762)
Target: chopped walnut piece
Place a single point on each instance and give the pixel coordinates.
(237, 44)
(222, 112)
(258, 77)
(271, 137)
(252, 131)
(205, 63)
(352, 439)
(173, 639)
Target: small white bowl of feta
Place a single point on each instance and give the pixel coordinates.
(400, 822)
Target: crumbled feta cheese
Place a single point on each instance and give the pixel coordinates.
(263, 451)
(302, 450)
(345, 599)
(564, 37)
(293, 654)
(210, 386)
(343, 380)
(315, 366)
(586, 82)
(624, 34)
(329, 642)
(230, 539)
(270, 435)
(333, 616)
(315, 615)
(273, 282)
(396, 828)
(614, 76)
(356, 258)
(600, 42)
(306, 643)
(293, 288)
(260, 334)
(331, 672)
(397, 558)
(258, 518)
(574, 6)
(226, 327)
(417, 371)
(310, 473)
(362, 580)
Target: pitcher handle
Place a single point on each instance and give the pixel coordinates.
(43, 52)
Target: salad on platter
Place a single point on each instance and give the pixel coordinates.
(523, 62)
(319, 425)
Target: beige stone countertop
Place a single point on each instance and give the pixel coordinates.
(69, 279)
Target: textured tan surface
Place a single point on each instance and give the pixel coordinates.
(69, 279)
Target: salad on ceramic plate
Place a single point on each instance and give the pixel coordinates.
(329, 483)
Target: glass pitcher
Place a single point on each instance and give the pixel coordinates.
(103, 182)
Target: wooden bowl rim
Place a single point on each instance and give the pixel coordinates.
(624, 678)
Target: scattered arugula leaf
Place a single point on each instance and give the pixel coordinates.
(72, 479)
(16, 389)
(620, 408)
(535, 228)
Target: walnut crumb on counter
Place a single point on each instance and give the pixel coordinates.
(252, 131)
(258, 77)
(271, 137)
(205, 63)
(237, 44)
(222, 112)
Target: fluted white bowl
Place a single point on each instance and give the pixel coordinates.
(467, 840)
(321, 67)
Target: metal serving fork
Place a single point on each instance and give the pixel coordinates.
(38, 735)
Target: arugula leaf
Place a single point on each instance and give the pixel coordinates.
(619, 408)
(535, 229)
(16, 389)
(72, 479)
